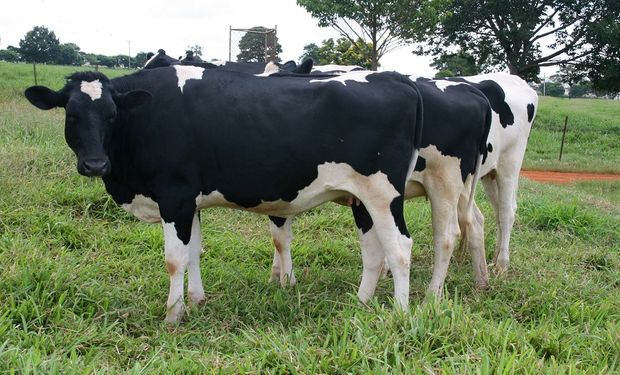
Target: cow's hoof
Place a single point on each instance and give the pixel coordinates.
(288, 281)
(196, 298)
(174, 313)
(482, 284)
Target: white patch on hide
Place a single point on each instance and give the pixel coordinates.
(144, 208)
(335, 68)
(357, 76)
(186, 72)
(436, 164)
(92, 89)
(334, 180)
(149, 60)
(443, 84)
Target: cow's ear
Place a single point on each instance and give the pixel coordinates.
(43, 97)
(132, 99)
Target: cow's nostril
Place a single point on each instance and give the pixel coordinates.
(96, 167)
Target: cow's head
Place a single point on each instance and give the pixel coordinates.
(160, 60)
(92, 110)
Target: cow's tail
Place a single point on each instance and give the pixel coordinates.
(474, 182)
(417, 135)
(483, 151)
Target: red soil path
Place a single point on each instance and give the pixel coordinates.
(567, 177)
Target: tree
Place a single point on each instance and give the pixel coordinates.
(9, 55)
(514, 33)
(455, 64)
(554, 89)
(579, 90)
(69, 54)
(380, 24)
(257, 45)
(140, 59)
(603, 66)
(197, 50)
(311, 51)
(40, 45)
(341, 52)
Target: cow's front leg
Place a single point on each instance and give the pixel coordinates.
(282, 235)
(181, 247)
(195, 291)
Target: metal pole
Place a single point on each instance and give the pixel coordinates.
(544, 84)
(129, 56)
(229, 42)
(563, 136)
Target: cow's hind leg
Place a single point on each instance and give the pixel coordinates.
(501, 190)
(444, 201)
(372, 253)
(391, 234)
(474, 227)
(282, 235)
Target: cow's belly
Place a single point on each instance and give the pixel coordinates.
(333, 182)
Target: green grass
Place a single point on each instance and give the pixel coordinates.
(592, 138)
(83, 285)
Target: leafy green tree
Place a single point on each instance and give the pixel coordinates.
(197, 50)
(455, 64)
(9, 55)
(40, 45)
(580, 90)
(253, 44)
(554, 89)
(379, 24)
(513, 33)
(140, 59)
(311, 51)
(340, 52)
(69, 54)
(603, 65)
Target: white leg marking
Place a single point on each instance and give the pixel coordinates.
(396, 248)
(444, 200)
(507, 187)
(177, 259)
(472, 227)
(282, 238)
(195, 291)
(372, 263)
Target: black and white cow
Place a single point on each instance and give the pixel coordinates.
(171, 141)
(457, 119)
(161, 60)
(514, 105)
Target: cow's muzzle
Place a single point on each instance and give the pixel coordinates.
(94, 167)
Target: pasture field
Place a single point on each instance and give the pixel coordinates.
(83, 285)
(592, 140)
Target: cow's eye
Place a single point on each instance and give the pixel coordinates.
(111, 119)
(71, 118)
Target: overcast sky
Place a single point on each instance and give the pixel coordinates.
(109, 27)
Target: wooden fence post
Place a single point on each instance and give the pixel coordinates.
(563, 136)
